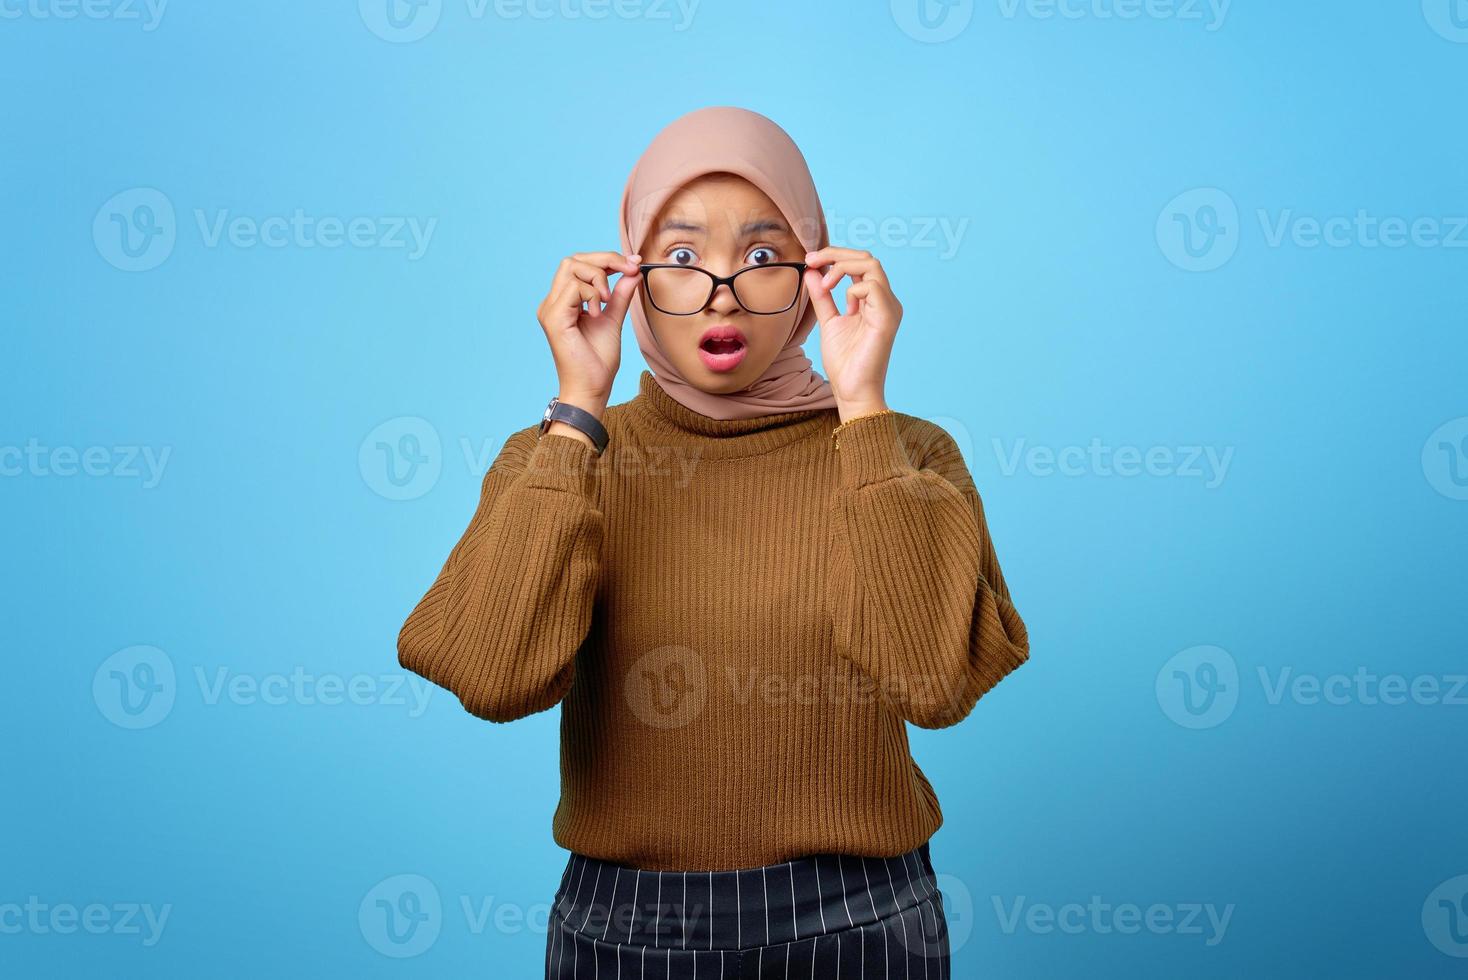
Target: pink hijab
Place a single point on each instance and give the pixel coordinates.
(727, 138)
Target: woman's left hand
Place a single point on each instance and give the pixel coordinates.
(857, 345)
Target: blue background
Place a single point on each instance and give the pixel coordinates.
(270, 545)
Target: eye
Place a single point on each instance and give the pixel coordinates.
(763, 250)
(682, 256)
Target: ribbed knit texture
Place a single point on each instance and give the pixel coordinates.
(738, 618)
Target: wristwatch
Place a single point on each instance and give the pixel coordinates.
(579, 418)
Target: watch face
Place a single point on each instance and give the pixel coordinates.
(545, 419)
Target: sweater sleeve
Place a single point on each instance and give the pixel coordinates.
(916, 597)
(501, 624)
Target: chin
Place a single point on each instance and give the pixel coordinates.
(723, 382)
(720, 382)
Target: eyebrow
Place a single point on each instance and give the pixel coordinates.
(678, 224)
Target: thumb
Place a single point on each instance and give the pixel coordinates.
(820, 297)
(616, 310)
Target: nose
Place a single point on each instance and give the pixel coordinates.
(723, 300)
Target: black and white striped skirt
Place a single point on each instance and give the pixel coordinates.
(820, 916)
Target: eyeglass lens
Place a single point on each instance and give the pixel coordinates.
(759, 290)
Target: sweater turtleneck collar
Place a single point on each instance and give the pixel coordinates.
(659, 410)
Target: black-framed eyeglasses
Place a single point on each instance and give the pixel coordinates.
(682, 290)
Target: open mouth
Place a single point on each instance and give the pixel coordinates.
(722, 345)
(722, 348)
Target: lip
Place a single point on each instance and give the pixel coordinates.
(724, 361)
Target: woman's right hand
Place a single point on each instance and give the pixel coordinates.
(585, 336)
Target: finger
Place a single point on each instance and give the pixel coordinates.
(574, 293)
(611, 261)
(606, 261)
(868, 292)
(616, 310)
(587, 272)
(592, 299)
(859, 270)
(564, 298)
(831, 253)
(820, 297)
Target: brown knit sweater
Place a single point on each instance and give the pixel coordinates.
(737, 617)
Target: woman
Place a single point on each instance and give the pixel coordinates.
(740, 585)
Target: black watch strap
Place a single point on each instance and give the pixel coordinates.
(579, 418)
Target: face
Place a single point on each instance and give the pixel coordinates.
(721, 223)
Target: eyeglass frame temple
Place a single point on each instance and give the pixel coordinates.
(725, 281)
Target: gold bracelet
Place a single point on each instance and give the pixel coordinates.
(858, 418)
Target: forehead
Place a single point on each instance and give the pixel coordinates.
(719, 204)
